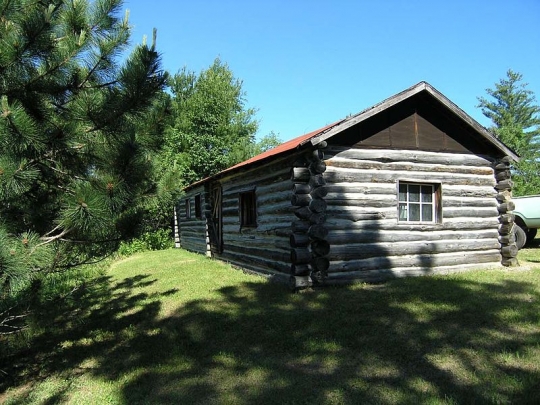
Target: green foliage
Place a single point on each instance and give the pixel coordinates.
(76, 132)
(516, 119)
(211, 124)
(156, 240)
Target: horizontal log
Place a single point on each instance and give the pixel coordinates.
(409, 166)
(303, 212)
(423, 261)
(354, 215)
(507, 239)
(504, 185)
(320, 248)
(507, 218)
(340, 221)
(355, 251)
(484, 202)
(300, 174)
(319, 192)
(265, 175)
(503, 175)
(450, 190)
(317, 180)
(300, 188)
(509, 251)
(300, 256)
(510, 262)
(320, 264)
(300, 226)
(272, 258)
(322, 145)
(318, 277)
(317, 167)
(299, 282)
(265, 244)
(315, 155)
(317, 205)
(378, 275)
(317, 218)
(416, 156)
(361, 200)
(378, 176)
(504, 197)
(344, 237)
(300, 270)
(300, 200)
(317, 232)
(299, 240)
(506, 206)
(271, 198)
(502, 166)
(275, 186)
(505, 229)
(467, 212)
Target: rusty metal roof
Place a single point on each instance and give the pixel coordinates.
(278, 150)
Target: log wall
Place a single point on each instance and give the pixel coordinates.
(367, 242)
(192, 232)
(264, 248)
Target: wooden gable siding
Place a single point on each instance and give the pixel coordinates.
(264, 248)
(367, 241)
(193, 233)
(415, 124)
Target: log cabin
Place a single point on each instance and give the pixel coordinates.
(411, 186)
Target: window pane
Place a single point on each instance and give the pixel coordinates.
(402, 192)
(427, 193)
(427, 212)
(414, 212)
(414, 193)
(248, 209)
(402, 212)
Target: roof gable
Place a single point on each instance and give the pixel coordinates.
(423, 88)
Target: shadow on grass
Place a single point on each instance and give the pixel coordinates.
(408, 341)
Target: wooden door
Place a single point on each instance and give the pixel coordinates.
(215, 227)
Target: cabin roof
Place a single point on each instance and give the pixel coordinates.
(316, 137)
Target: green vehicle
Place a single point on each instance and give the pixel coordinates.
(527, 214)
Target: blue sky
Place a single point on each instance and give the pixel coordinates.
(305, 64)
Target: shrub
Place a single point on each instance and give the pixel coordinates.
(157, 240)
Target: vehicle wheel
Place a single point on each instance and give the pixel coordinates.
(531, 234)
(521, 236)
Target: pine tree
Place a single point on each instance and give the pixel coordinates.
(73, 151)
(515, 116)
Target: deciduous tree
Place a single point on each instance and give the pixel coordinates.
(212, 128)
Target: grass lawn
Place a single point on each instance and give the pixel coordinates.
(174, 327)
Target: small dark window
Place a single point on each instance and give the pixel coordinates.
(188, 209)
(419, 202)
(198, 211)
(248, 209)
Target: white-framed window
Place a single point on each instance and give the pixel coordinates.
(418, 202)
